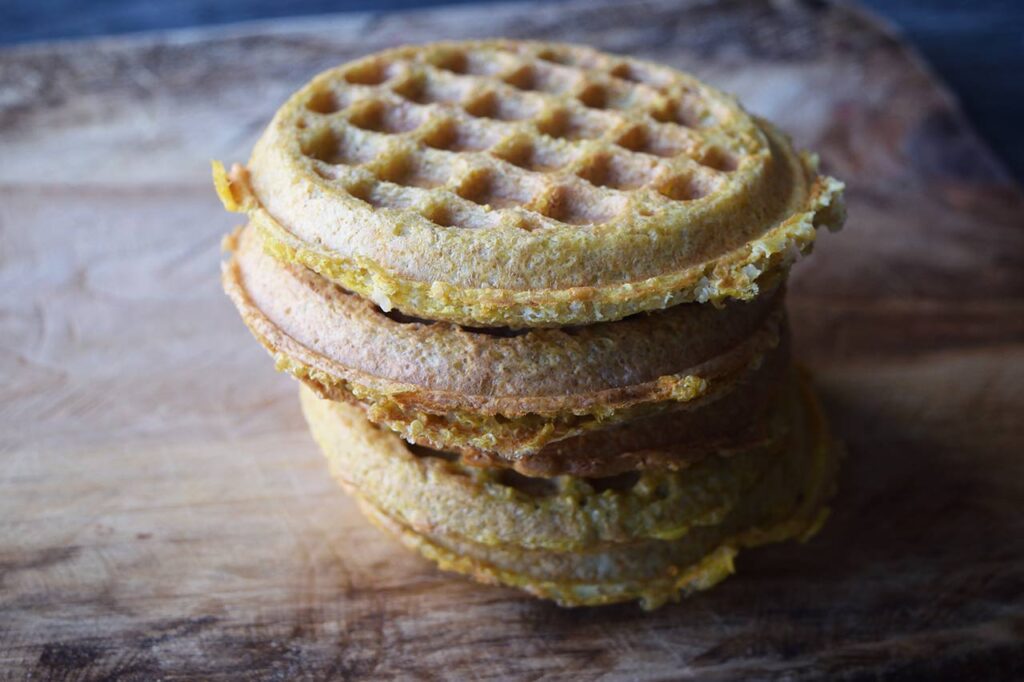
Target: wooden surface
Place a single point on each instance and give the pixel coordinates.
(163, 513)
(975, 45)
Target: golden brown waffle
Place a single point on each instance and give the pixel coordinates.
(520, 184)
(657, 390)
(583, 541)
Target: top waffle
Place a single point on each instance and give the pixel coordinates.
(522, 184)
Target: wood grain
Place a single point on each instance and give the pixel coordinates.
(163, 513)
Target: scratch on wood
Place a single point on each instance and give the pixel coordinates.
(40, 559)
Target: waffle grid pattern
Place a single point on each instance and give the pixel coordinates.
(521, 135)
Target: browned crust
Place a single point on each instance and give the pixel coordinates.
(441, 366)
(681, 416)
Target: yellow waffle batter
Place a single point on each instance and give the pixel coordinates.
(520, 184)
(535, 296)
(584, 541)
(657, 390)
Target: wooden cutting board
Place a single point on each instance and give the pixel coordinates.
(163, 513)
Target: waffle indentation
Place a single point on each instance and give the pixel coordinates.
(686, 187)
(556, 55)
(575, 206)
(333, 148)
(440, 214)
(643, 139)
(536, 77)
(571, 125)
(719, 159)
(409, 171)
(516, 135)
(594, 96)
(377, 116)
(455, 136)
(421, 90)
(324, 102)
(367, 72)
(490, 105)
(531, 154)
(636, 73)
(614, 171)
(488, 188)
(683, 112)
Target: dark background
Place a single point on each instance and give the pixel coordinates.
(975, 46)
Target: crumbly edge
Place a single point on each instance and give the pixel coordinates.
(512, 438)
(679, 581)
(578, 516)
(512, 427)
(740, 274)
(680, 387)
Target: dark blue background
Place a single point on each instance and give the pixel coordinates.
(976, 46)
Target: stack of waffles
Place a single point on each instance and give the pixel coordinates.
(535, 297)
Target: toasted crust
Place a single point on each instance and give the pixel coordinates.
(745, 417)
(511, 401)
(621, 186)
(582, 541)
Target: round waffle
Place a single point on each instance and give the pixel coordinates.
(521, 184)
(583, 541)
(663, 388)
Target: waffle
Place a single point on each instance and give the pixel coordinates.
(658, 390)
(516, 184)
(535, 298)
(583, 541)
